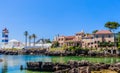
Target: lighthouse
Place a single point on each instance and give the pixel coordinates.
(5, 33)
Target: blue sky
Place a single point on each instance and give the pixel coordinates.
(47, 18)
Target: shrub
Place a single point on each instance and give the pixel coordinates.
(64, 46)
(77, 49)
(55, 44)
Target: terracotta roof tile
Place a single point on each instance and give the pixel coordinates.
(69, 37)
(103, 32)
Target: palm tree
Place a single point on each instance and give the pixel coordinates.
(30, 37)
(26, 36)
(34, 37)
(112, 26)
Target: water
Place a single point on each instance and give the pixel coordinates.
(11, 64)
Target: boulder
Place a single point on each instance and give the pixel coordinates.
(1, 60)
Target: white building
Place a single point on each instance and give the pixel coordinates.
(12, 44)
(19, 45)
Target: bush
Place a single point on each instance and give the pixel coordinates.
(119, 46)
(55, 44)
(106, 44)
(77, 49)
(71, 48)
(64, 46)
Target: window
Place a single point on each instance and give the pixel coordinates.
(95, 42)
(59, 39)
(88, 43)
(62, 39)
(95, 46)
(91, 37)
(109, 36)
(96, 36)
(102, 36)
(98, 41)
(6, 35)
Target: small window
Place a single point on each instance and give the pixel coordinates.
(95, 46)
(88, 43)
(59, 39)
(6, 35)
(109, 36)
(98, 41)
(96, 36)
(95, 42)
(103, 36)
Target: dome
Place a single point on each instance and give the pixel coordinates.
(13, 40)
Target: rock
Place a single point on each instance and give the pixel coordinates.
(21, 67)
(47, 66)
(62, 71)
(34, 65)
(115, 67)
(1, 60)
(84, 70)
(80, 70)
(72, 67)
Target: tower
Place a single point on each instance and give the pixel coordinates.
(5, 33)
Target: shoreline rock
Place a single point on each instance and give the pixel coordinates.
(1, 60)
(71, 67)
(41, 51)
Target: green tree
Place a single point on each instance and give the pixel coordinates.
(94, 31)
(118, 36)
(118, 40)
(34, 38)
(26, 36)
(55, 44)
(48, 41)
(106, 44)
(112, 25)
(30, 37)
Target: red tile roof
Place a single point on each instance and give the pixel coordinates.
(103, 32)
(69, 37)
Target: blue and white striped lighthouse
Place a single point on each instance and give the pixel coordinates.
(5, 33)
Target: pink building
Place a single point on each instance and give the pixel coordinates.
(86, 40)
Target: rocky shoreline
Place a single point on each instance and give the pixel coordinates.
(22, 51)
(55, 53)
(72, 67)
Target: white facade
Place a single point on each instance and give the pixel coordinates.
(46, 45)
(19, 45)
(12, 44)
